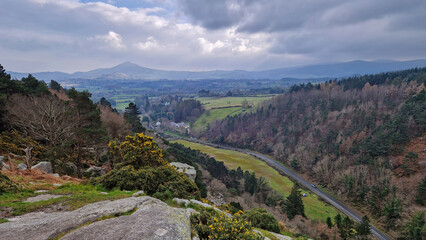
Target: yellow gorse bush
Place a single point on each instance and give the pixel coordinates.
(211, 225)
(138, 150)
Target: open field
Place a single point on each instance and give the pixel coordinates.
(314, 208)
(213, 102)
(220, 108)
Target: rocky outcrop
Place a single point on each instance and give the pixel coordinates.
(22, 167)
(185, 202)
(185, 168)
(273, 235)
(43, 166)
(153, 219)
(94, 172)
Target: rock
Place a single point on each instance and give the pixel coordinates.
(5, 167)
(276, 235)
(185, 168)
(62, 168)
(179, 201)
(104, 193)
(153, 213)
(55, 175)
(196, 202)
(94, 172)
(155, 220)
(43, 166)
(41, 191)
(22, 167)
(138, 193)
(57, 184)
(42, 197)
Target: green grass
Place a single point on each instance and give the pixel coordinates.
(215, 114)
(314, 208)
(76, 196)
(213, 102)
(220, 108)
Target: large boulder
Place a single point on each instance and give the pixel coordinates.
(153, 219)
(94, 172)
(62, 168)
(22, 167)
(43, 166)
(185, 168)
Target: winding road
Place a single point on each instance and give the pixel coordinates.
(346, 210)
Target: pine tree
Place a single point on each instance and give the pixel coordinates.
(363, 228)
(294, 204)
(421, 192)
(329, 222)
(338, 220)
(131, 115)
(88, 129)
(416, 227)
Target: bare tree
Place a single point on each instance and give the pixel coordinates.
(45, 118)
(114, 123)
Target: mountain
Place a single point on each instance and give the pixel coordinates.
(128, 70)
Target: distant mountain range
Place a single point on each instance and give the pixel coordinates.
(128, 70)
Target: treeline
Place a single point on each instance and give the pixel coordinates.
(62, 126)
(170, 108)
(348, 135)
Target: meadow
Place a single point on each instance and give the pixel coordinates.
(220, 108)
(314, 207)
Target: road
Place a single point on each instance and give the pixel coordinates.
(346, 210)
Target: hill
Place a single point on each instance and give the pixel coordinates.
(361, 137)
(128, 70)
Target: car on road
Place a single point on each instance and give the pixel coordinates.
(313, 185)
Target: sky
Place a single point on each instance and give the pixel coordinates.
(81, 35)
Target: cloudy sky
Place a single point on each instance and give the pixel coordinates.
(80, 35)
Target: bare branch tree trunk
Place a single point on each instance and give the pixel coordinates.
(28, 157)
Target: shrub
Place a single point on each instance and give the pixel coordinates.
(209, 224)
(260, 218)
(151, 180)
(7, 185)
(137, 150)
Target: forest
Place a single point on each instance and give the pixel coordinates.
(361, 137)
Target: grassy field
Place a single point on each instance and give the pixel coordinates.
(314, 208)
(220, 108)
(212, 102)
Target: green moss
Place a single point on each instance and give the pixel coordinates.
(75, 196)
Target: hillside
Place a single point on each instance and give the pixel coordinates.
(128, 70)
(361, 137)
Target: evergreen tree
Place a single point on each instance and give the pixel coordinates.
(88, 125)
(55, 85)
(421, 192)
(329, 222)
(363, 228)
(416, 227)
(131, 115)
(338, 220)
(294, 205)
(295, 164)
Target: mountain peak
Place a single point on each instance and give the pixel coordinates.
(127, 64)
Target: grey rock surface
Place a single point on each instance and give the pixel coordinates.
(138, 193)
(153, 220)
(42, 197)
(181, 201)
(276, 235)
(185, 168)
(94, 172)
(43, 166)
(22, 166)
